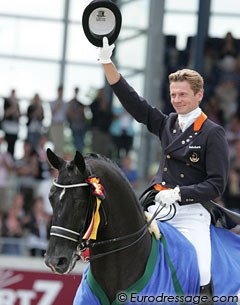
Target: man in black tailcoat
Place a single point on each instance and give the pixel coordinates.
(194, 163)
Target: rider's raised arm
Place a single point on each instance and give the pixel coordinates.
(111, 73)
(135, 105)
(104, 57)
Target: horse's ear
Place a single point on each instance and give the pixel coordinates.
(54, 160)
(79, 161)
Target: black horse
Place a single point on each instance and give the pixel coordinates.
(71, 210)
(95, 207)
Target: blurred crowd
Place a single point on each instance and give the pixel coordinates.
(222, 104)
(25, 179)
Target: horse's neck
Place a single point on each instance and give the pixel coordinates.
(118, 271)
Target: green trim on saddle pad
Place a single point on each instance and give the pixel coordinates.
(136, 287)
(143, 281)
(176, 284)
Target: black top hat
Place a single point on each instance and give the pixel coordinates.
(101, 18)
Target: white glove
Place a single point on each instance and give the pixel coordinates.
(105, 53)
(168, 197)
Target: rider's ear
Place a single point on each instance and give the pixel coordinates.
(79, 161)
(54, 160)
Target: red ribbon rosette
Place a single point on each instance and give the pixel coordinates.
(96, 186)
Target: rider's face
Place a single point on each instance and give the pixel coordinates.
(183, 99)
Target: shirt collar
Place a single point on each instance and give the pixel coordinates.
(185, 120)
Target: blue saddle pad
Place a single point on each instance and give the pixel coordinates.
(225, 264)
(176, 251)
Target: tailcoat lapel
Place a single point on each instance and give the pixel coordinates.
(185, 138)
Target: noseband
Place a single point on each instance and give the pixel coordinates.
(81, 246)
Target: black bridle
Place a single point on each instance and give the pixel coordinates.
(82, 245)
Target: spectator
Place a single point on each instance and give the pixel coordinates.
(58, 110)
(6, 167)
(237, 77)
(27, 170)
(1, 224)
(227, 93)
(228, 54)
(11, 228)
(11, 121)
(233, 133)
(44, 188)
(43, 164)
(210, 59)
(37, 227)
(122, 131)
(129, 171)
(18, 204)
(77, 120)
(232, 197)
(212, 109)
(101, 121)
(35, 117)
(229, 47)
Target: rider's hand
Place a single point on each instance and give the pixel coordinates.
(105, 53)
(168, 197)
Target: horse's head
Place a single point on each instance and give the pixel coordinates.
(70, 200)
(84, 217)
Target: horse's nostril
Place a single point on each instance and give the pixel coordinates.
(62, 261)
(59, 264)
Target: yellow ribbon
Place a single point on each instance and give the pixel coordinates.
(91, 232)
(96, 220)
(98, 191)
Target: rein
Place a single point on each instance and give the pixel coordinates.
(142, 230)
(91, 245)
(81, 246)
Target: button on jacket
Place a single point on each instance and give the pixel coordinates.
(196, 160)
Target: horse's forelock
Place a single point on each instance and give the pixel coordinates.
(70, 165)
(69, 171)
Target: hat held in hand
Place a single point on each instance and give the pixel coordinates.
(101, 18)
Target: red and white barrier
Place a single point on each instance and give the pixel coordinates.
(27, 281)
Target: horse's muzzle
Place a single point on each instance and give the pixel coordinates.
(60, 264)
